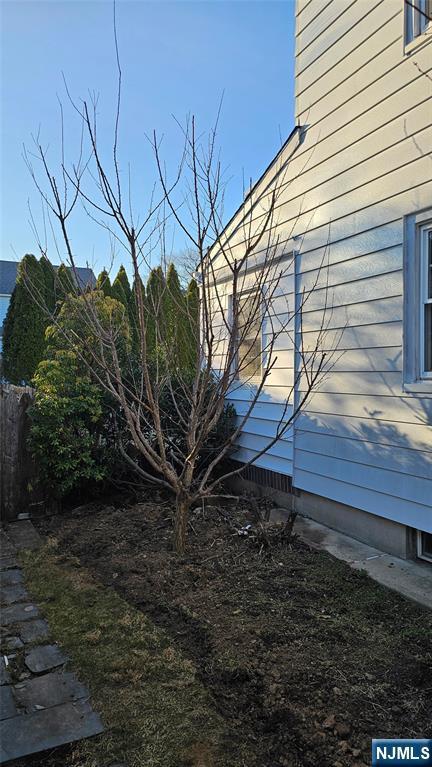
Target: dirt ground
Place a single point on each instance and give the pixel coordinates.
(305, 659)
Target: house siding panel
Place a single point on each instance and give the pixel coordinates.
(362, 164)
(362, 440)
(387, 506)
(326, 43)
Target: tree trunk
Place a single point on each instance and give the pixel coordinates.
(181, 522)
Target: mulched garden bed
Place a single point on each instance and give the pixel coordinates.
(304, 658)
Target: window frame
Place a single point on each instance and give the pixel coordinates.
(416, 23)
(415, 378)
(6, 303)
(239, 375)
(421, 553)
(425, 240)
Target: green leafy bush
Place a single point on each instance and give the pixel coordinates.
(68, 433)
(76, 424)
(73, 433)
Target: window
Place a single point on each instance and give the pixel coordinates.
(249, 330)
(418, 16)
(424, 545)
(425, 243)
(418, 302)
(4, 303)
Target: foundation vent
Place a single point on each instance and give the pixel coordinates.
(267, 478)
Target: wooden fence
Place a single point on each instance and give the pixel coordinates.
(16, 467)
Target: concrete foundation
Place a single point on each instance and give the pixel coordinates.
(412, 579)
(391, 537)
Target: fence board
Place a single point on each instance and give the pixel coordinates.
(16, 467)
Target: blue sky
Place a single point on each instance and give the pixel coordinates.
(177, 58)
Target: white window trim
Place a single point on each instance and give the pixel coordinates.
(424, 298)
(415, 381)
(420, 548)
(417, 30)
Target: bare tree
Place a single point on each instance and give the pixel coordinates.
(247, 307)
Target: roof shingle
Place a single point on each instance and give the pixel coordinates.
(9, 270)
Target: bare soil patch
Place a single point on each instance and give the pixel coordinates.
(305, 659)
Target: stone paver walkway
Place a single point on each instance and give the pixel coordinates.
(42, 704)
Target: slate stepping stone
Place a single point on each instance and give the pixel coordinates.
(11, 643)
(7, 704)
(11, 577)
(7, 561)
(49, 690)
(14, 593)
(17, 613)
(24, 535)
(7, 551)
(7, 548)
(44, 658)
(31, 631)
(29, 733)
(4, 673)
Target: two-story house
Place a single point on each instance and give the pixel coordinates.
(358, 194)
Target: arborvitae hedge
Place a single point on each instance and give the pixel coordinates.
(64, 284)
(192, 333)
(155, 312)
(8, 335)
(26, 321)
(171, 314)
(121, 289)
(133, 313)
(123, 278)
(48, 275)
(103, 283)
(176, 320)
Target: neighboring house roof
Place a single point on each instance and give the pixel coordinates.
(85, 276)
(8, 273)
(9, 270)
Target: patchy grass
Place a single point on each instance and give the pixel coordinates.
(155, 710)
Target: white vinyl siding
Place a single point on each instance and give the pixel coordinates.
(360, 170)
(364, 439)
